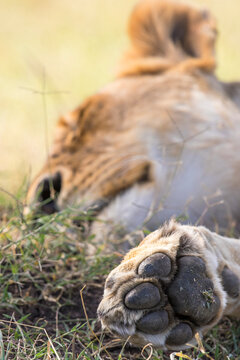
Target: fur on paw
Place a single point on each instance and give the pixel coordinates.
(165, 291)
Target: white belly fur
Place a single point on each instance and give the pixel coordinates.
(197, 178)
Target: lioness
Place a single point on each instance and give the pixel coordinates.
(162, 140)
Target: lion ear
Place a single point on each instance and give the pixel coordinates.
(164, 34)
(201, 34)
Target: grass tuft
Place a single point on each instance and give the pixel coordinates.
(51, 281)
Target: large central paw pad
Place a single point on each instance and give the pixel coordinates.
(168, 304)
(191, 293)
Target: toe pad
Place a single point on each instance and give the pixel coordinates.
(180, 335)
(153, 323)
(231, 283)
(143, 296)
(157, 265)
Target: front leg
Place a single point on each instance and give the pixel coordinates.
(178, 282)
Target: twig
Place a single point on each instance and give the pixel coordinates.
(86, 315)
(151, 351)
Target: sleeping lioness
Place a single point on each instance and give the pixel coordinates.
(162, 140)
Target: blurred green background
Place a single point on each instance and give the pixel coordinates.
(69, 48)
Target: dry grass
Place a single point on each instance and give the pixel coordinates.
(50, 287)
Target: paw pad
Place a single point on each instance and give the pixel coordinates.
(154, 322)
(180, 335)
(143, 296)
(231, 283)
(157, 265)
(169, 306)
(191, 292)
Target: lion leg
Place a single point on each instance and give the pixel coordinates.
(178, 282)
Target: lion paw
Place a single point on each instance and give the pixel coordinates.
(164, 292)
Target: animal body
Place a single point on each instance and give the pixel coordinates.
(161, 140)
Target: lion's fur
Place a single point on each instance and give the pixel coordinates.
(162, 132)
(164, 34)
(162, 140)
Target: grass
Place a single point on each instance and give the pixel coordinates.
(51, 281)
(52, 274)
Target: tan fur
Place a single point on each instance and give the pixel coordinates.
(161, 140)
(212, 248)
(88, 148)
(165, 34)
(99, 148)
